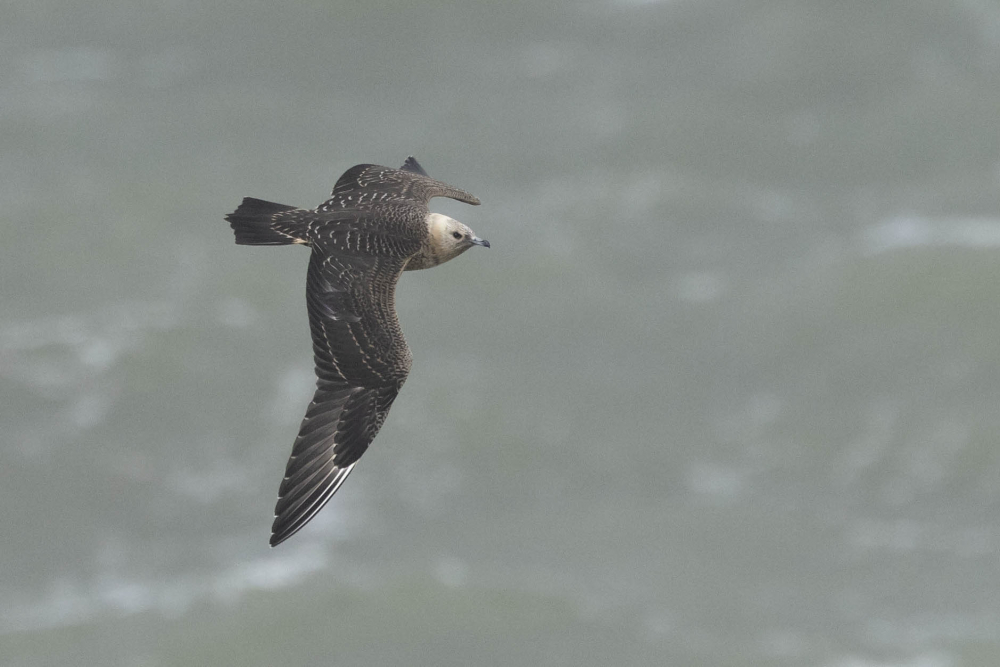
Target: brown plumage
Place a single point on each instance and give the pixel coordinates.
(375, 225)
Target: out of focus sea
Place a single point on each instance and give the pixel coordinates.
(724, 392)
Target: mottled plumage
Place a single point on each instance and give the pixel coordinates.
(375, 225)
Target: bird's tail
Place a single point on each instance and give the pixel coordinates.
(253, 223)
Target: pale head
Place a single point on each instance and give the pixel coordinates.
(447, 238)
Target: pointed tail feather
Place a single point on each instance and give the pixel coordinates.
(253, 223)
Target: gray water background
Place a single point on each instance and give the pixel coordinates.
(724, 392)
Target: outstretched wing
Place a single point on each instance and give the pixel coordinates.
(366, 185)
(362, 361)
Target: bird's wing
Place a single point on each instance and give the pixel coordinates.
(366, 185)
(361, 362)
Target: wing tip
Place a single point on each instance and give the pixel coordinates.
(411, 165)
(281, 533)
(289, 522)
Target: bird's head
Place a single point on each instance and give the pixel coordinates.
(450, 238)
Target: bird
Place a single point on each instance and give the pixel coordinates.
(375, 225)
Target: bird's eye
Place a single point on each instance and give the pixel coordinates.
(457, 235)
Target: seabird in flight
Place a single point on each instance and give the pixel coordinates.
(375, 225)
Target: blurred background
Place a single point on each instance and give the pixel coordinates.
(724, 391)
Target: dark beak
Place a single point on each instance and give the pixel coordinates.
(478, 241)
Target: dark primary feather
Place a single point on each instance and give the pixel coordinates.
(339, 425)
(411, 164)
